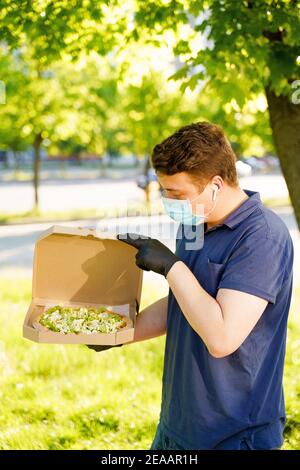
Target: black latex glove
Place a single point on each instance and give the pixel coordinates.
(152, 255)
(99, 347)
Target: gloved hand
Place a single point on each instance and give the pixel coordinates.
(99, 347)
(152, 255)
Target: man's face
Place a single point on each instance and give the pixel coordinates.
(182, 186)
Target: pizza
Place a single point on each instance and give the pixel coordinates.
(88, 320)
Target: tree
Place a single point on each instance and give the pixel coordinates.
(151, 106)
(239, 50)
(41, 34)
(241, 58)
(32, 108)
(69, 102)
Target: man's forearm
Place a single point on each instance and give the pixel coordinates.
(151, 321)
(201, 310)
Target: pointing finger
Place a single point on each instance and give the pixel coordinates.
(133, 239)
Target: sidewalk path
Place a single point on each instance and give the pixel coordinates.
(17, 241)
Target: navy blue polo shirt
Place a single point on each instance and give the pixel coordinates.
(215, 403)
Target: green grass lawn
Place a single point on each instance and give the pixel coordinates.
(69, 397)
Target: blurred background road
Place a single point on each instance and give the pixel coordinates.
(88, 190)
(17, 240)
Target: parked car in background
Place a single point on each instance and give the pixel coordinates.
(272, 162)
(264, 164)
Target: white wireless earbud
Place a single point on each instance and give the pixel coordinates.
(215, 190)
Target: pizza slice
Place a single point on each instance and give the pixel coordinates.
(87, 320)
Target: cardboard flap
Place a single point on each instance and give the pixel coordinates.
(74, 264)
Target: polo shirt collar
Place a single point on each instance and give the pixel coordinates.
(244, 210)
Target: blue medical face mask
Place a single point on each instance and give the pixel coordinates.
(180, 210)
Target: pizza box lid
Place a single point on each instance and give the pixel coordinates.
(82, 266)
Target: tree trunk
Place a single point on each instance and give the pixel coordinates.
(16, 162)
(36, 167)
(77, 159)
(285, 124)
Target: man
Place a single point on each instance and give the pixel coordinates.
(225, 317)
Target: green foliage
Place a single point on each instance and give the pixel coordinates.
(248, 44)
(151, 112)
(83, 105)
(240, 46)
(55, 27)
(59, 85)
(68, 105)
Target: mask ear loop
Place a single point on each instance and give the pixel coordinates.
(215, 199)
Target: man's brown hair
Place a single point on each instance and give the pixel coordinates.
(200, 149)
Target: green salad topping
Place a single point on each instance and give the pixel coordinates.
(77, 320)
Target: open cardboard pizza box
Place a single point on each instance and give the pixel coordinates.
(79, 267)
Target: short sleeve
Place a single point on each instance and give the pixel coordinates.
(256, 266)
